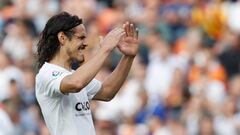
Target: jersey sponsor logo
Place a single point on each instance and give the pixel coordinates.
(55, 73)
(82, 106)
(83, 114)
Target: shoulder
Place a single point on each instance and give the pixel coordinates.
(49, 72)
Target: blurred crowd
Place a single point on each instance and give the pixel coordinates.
(185, 80)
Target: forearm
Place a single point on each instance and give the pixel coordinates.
(129, 47)
(113, 83)
(85, 73)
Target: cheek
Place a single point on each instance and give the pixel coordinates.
(74, 48)
(69, 51)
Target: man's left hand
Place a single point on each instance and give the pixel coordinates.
(129, 44)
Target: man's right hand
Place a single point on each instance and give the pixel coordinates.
(111, 40)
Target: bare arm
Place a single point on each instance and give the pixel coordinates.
(84, 74)
(115, 80)
(129, 47)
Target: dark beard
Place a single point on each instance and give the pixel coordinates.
(76, 63)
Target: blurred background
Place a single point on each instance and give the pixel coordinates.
(185, 80)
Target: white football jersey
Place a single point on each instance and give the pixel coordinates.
(64, 114)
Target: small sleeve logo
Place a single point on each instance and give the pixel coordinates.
(55, 73)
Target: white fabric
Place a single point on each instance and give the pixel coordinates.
(4, 87)
(119, 106)
(231, 11)
(6, 126)
(64, 114)
(6, 74)
(15, 47)
(129, 97)
(215, 92)
(159, 75)
(225, 125)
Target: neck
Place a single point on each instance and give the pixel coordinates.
(62, 61)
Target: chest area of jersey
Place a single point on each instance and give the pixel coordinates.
(80, 104)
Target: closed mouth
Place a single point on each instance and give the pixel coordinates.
(81, 47)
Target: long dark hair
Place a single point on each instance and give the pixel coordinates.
(48, 44)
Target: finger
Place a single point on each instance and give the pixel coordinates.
(100, 39)
(124, 27)
(128, 28)
(121, 34)
(111, 32)
(131, 30)
(136, 33)
(118, 33)
(118, 37)
(118, 30)
(114, 30)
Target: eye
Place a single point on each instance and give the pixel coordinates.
(82, 37)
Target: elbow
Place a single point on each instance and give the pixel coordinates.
(108, 99)
(109, 95)
(104, 95)
(77, 86)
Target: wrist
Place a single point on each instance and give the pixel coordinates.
(105, 50)
(129, 56)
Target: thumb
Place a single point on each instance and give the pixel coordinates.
(100, 39)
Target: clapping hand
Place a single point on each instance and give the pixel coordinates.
(129, 44)
(112, 39)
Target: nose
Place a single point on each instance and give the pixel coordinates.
(85, 43)
(83, 46)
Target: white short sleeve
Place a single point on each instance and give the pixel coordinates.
(52, 83)
(92, 88)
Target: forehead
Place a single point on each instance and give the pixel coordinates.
(80, 29)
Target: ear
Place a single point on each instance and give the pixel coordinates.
(61, 38)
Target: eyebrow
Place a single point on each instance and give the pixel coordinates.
(82, 36)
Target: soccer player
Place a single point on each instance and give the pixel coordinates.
(63, 94)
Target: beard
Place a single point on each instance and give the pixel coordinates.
(76, 59)
(79, 60)
(77, 63)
